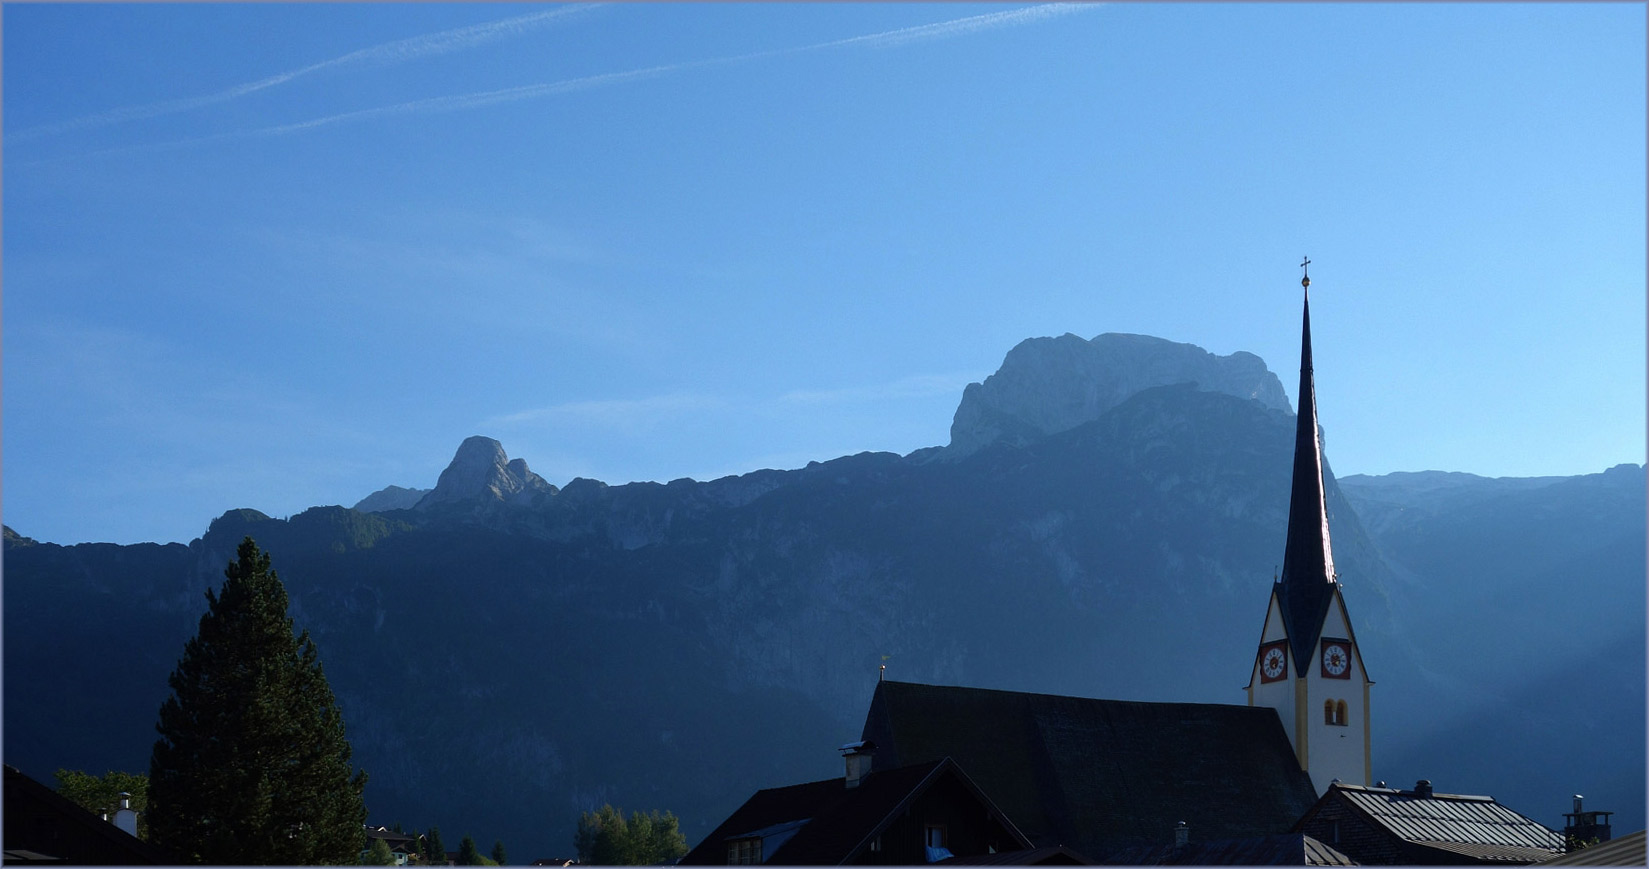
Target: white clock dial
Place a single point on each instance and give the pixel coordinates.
(1335, 659)
(1272, 665)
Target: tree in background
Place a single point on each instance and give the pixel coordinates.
(498, 852)
(252, 765)
(102, 793)
(605, 838)
(378, 854)
(434, 852)
(467, 853)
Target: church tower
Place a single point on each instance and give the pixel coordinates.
(1309, 667)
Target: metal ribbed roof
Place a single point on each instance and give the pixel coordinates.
(1443, 820)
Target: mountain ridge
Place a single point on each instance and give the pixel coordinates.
(505, 661)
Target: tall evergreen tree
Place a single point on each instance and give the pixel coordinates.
(467, 853)
(252, 765)
(435, 853)
(498, 855)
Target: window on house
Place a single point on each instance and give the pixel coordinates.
(743, 852)
(876, 845)
(936, 836)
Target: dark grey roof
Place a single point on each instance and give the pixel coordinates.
(1471, 826)
(1286, 849)
(1307, 580)
(825, 823)
(1628, 850)
(1101, 774)
(1056, 855)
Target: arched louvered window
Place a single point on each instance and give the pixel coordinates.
(1340, 716)
(1328, 711)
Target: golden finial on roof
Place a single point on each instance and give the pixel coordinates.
(1306, 281)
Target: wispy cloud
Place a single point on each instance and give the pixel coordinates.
(613, 413)
(636, 412)
(460, 102)
(388, 53)
(916, 386)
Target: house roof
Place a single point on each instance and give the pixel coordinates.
(1056, 855)
(1284, 849)
(40, 821)
(1476, 827)
(1628, 850)
(1101, 774)
(1307, 580)
(826, 822)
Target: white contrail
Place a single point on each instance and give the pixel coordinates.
(939, 30)
(459, 102)
(399, 51)
(960, 26)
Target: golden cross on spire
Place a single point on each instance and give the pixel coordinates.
(1306, 281)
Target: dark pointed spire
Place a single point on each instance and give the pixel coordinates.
(1307, 582)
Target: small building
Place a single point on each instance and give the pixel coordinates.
(43, 826)
(402, 847)
(916, 814)
(1380, 826)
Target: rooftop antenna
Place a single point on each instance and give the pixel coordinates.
(882, 675)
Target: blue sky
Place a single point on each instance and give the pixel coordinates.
(277, 256)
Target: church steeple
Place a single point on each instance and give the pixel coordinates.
(1307, 583)
(1308, 666)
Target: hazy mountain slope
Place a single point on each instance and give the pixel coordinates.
(510, 654)
(1524, 610)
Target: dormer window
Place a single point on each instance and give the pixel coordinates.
(742, 852)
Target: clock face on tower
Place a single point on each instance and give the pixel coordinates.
(1274, 661)
(1336, 659)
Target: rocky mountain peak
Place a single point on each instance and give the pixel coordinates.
(391, 498)
(1049, 385)
(480, 470)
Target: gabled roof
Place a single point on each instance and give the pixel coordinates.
(826, 823)
(1475, 827)
(1307, 582)
(1100, 774)
(1286, 849)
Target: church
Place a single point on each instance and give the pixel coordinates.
(1275, 780)
(1104, 775)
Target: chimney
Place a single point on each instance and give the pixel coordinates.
(858, 757)
(1182, 835)
(1585, 827)
(125, 818)
(1422, 788)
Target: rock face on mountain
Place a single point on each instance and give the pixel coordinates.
(508, 655)
(390, 498)
(1048, 385)
(481, 471)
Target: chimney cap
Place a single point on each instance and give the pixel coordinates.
(864, 746)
